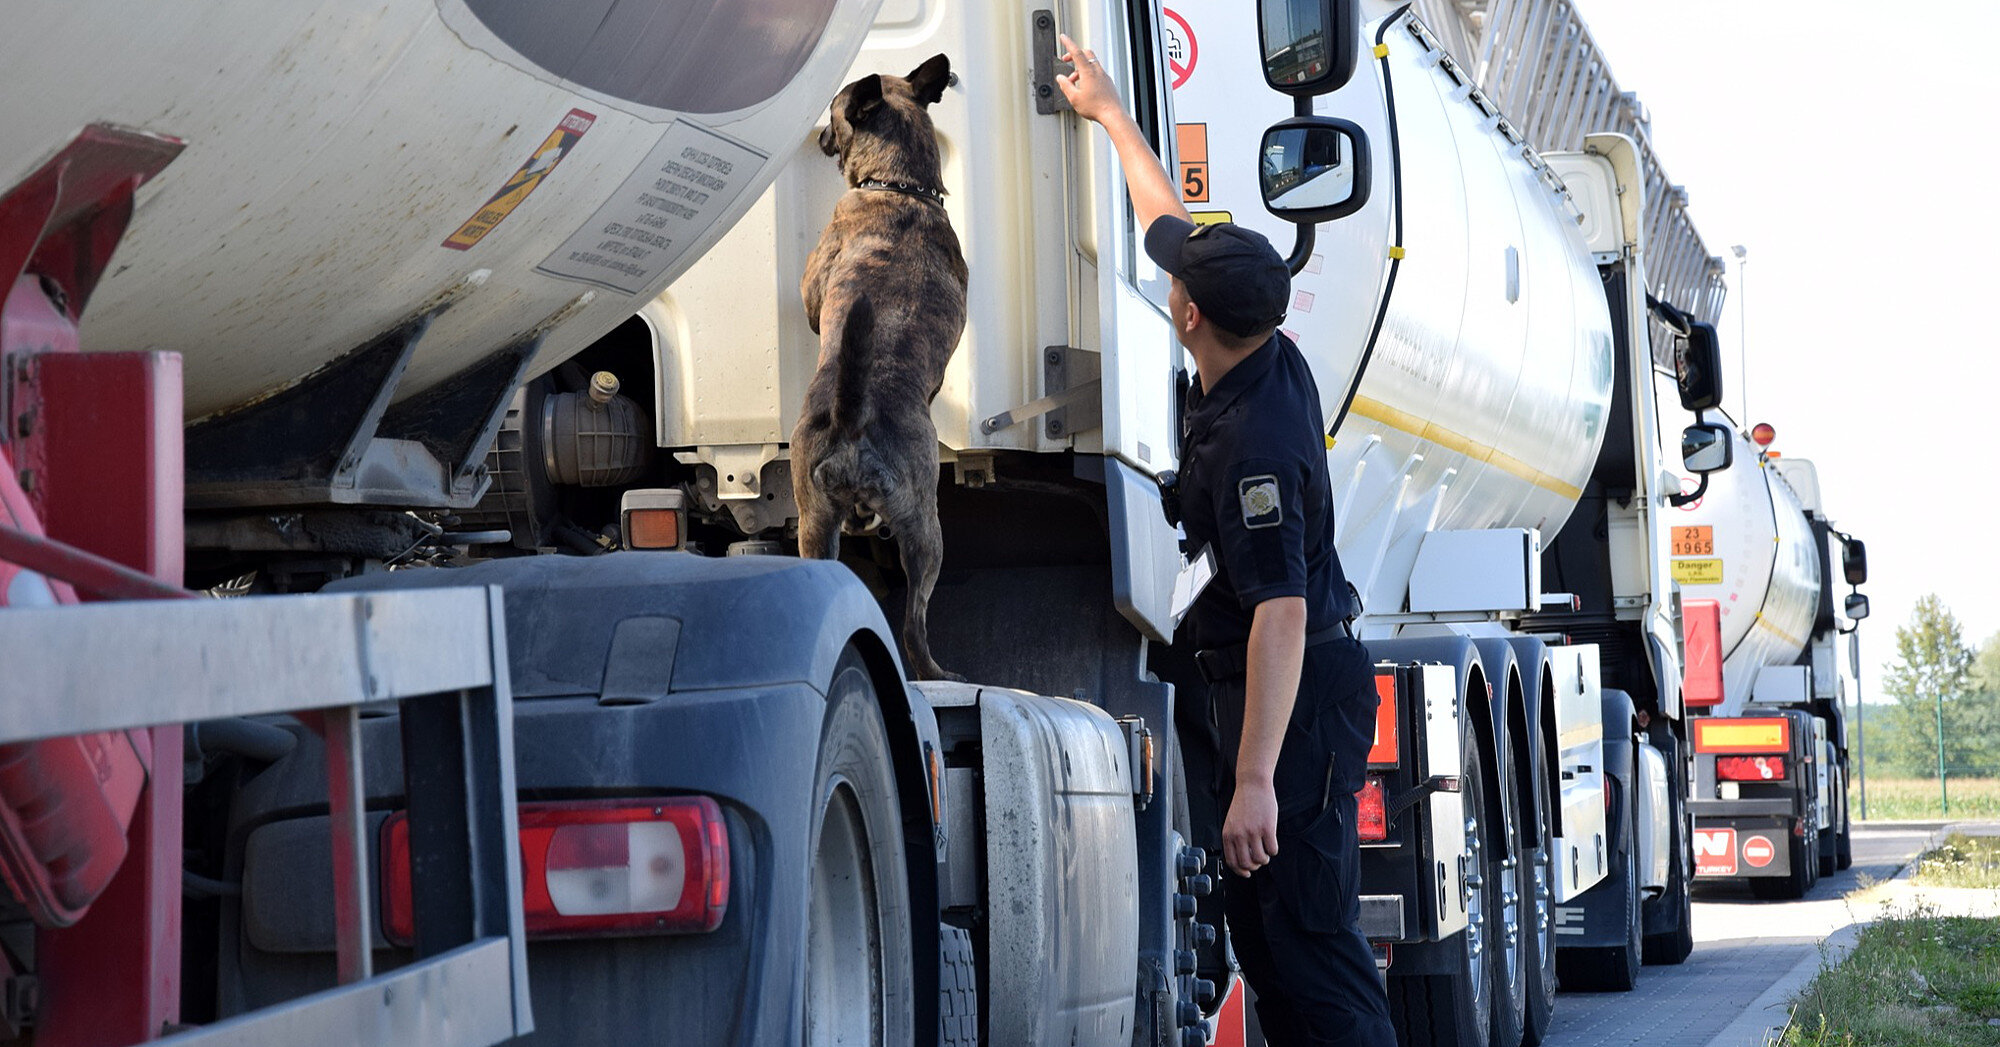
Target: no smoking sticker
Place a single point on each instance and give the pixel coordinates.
(1181, 47)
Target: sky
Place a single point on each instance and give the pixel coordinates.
(1842, 147)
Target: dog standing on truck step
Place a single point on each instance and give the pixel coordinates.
(885, 292)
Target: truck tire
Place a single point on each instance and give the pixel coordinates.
(1796, 883)
(1843, 845)
(1613, 968)
(1507, 873)
(1456, 1010)
(958, 989)
(1540, 930)
(1672, 947)
(858, 966)
(1829, 840)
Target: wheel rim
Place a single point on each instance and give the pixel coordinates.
(1475, 905)
(1544, 874)
(1511, 941)
(844, 990)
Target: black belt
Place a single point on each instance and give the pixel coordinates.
(1228, 663)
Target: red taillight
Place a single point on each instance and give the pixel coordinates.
(605, 867)
(1373, 804)
(1750, 768)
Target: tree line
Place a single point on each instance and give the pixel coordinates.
(1937, 672)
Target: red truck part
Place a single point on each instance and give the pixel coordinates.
(90, 478)
(1701, 685)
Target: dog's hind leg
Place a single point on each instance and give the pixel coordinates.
(819, 525)
(920, 541)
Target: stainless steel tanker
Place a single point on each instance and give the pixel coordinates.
(1751, 549)
(1488, 389)
(347, 165)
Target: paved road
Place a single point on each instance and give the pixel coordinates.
(1742, 946)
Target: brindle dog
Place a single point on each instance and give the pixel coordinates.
(885, 291)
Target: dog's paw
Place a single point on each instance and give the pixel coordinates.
(934, 671)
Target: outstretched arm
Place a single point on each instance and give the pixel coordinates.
(1094, 97)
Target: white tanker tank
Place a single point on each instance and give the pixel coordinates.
(1747, 545)
(347, 167)
(1488, 391)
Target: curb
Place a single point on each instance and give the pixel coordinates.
(1769, 1014)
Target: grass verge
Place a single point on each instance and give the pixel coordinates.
(1915, 979)
(1900, 799)
(1960, 861)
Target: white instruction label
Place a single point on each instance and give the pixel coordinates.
(1194, 577)
(659, 212)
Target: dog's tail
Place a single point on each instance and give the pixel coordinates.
(850, 378)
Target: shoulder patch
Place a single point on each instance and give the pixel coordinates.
(1259, 498)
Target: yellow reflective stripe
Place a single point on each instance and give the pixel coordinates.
(1765, 624)
(1422, 429)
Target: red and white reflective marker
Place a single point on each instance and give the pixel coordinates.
(1757, 850)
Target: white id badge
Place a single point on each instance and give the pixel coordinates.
(1194, 577)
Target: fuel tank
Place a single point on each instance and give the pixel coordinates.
(347, 164)
(1747, 545)
(1487, 393)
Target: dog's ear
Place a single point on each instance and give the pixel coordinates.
(864, 96)
(930, 79)
(829, 143)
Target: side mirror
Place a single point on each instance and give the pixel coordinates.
(1698, 368)
(1314, 169)
(1854, 564)
(1309, 46)
(1707, 447)
(1857, 607)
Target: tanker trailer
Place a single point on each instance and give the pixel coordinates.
(1755, 558)
(315, 247)
(1495, 346)
(379, 222)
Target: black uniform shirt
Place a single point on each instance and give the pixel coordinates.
(1254, 488)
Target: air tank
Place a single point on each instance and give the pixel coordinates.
(345, 164)
(1747, 545)
(1487, 394)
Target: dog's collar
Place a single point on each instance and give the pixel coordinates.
(921, 192)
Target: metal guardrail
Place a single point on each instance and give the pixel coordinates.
(1539, 64)
(441, 653)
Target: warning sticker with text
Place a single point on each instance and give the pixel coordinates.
(659, 211)
(1698, 572)
(523, 181)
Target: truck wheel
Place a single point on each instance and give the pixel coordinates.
(858, 964)
(1673, 946)
(1615, 968)
(958, 989)
(1843, 845)
(1456, 1010)
(1540, 931)
(1797, 882)
(1505, 875)
(1828, 847)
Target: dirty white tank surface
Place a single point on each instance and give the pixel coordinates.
(347, 163)
(1746, 545)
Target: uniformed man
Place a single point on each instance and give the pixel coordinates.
(1291, 692)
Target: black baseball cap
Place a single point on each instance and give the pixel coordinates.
(1234, 274)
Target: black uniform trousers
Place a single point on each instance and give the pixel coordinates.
(1295, 924)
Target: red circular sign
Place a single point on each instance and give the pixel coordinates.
(1757, 850)
(1180, 45)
